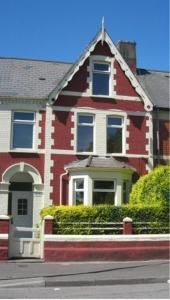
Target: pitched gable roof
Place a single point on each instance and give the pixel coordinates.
(102, 36)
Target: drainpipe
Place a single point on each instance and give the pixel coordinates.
(157, 135)
(61, 186)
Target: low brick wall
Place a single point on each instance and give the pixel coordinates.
(4, 234)
(111, 248)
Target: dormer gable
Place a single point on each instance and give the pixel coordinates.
(101, 64)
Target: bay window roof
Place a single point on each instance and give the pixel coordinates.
(99, 162)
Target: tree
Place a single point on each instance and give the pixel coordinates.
(153, 188)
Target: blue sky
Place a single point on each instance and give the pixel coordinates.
(61, 29)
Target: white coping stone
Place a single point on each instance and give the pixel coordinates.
(111, 238)
(3, 236)
(48, 217)
(4, 217)
(127, 220)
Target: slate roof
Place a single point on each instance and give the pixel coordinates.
(98, 162)
(156, 85)
(37, 78)
(30, 78)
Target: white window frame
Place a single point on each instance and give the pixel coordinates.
(105, 190)
(108, 72)
(102, 59)
(75, 189)
(122, 126)
(33, 122)
(71, 189)
(87, 125)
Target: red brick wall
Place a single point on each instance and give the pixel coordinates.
(123, 84)
(164, 128)
(62, 130)
(9, 159)
(79, 80)
(137, 135)
(113, 251)
(98, 103)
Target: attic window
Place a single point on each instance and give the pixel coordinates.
(101, 78)
(42, 78)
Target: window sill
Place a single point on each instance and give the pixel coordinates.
(102, 96)
(23, 151)
(86, 153)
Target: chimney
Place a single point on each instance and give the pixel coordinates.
(128, 51)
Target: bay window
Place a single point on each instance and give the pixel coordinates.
(103, 191)
(78, 191)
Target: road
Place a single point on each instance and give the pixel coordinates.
(136, 291)
(86, 280)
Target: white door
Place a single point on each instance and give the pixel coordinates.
(23, 240)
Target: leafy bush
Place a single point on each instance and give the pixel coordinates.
(70, 219)
(153, 188)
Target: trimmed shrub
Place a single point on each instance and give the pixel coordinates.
(153, 188)
(84, 219)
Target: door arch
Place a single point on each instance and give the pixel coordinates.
(25, 200)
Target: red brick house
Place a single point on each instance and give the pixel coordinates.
(78, 133)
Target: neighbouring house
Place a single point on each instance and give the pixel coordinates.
(78, 133)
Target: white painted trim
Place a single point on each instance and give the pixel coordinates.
(41, 151)
(112, 238)
(88, 94)
(4, 236)
(94, 110)
(72, 152)
(124, 66)
(111, 72)
(21, 167)
(48, 174)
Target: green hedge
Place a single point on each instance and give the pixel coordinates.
(67, 215)
(153, 188)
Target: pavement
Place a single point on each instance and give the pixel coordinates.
(36, 273)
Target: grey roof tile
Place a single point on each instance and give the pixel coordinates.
(98, 162)
(30, 78)
(156, 85)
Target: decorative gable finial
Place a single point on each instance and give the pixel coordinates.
(103, 31)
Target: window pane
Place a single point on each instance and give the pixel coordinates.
(101, 67)
(114, 140)
(22, 136)
(79, 198)
(85, 119)
(103, 197)
(79, 183)
(23, 116)
(22, 206)
(114, 121)
(100, 84)
(102, 184)
(85, 139)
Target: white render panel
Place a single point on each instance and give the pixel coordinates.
(100, 134)
(48, 161)
(5, 130)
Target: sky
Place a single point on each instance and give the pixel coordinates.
(60, 30)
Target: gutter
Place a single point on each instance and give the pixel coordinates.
(157, 135)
